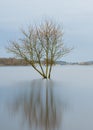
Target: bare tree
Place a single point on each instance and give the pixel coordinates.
(43, 45)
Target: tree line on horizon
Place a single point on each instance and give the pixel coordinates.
(15, 61)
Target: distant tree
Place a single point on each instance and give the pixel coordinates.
(43, 45)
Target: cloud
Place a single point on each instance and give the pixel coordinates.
(76, 16)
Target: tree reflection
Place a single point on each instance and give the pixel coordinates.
(40, 105)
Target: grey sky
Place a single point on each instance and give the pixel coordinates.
(76, 17)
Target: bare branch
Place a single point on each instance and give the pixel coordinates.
(41, 44)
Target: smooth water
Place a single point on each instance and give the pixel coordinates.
(63, 103)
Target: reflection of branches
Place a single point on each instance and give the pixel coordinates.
(40, 106)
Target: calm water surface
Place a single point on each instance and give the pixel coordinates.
(29, 103)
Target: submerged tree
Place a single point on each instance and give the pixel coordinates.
(43, 45)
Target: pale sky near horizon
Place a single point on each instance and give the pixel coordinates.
(76, 17)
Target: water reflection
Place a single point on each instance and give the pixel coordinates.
(39, 104)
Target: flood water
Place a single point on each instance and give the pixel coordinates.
(27, 102)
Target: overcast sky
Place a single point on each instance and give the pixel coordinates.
(76, 17)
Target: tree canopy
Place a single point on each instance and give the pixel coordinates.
(41, 44)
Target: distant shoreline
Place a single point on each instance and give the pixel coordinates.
(21, 62)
